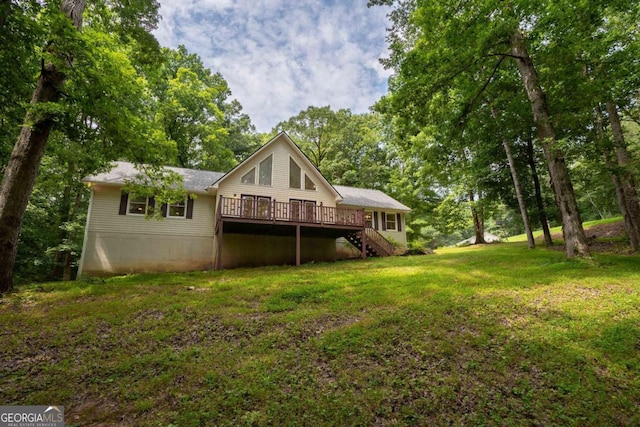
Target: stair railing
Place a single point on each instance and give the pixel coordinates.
(378, 242)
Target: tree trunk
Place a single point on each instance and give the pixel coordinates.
(516, 182)
(5, 11)
(22, 169)
(478, 219)
(574, 238)
(542, 214)
(626, 179)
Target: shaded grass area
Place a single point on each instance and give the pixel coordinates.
(490, 335)
(538, 236)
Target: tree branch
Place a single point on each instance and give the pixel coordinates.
(467, 107)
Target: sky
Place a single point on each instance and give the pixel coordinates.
(281, 56)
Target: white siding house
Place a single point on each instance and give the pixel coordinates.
(273, 208)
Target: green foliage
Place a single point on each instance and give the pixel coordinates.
(349, 149)
(456, 94)
(473, 336)
(124, 99)
(209, 131)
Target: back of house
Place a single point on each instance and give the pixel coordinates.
(273, 208)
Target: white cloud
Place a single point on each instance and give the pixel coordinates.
(281, 56)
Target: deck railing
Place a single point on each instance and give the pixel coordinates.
(264, 209)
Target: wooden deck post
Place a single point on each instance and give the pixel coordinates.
(364, 243)
(298, 245)
(218, 264)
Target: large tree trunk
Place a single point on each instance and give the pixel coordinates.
(22, 169)
(542, 214)
(630, 208)
(477, 213)
(574, 238)
(516, 182)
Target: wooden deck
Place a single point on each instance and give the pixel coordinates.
(296, 212)
(254, 214)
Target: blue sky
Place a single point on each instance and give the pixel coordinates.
(281, 56)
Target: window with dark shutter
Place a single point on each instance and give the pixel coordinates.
(390, 221)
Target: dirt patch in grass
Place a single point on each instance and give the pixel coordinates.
(608, 238)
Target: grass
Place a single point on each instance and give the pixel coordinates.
(490, 335)
(558, 230)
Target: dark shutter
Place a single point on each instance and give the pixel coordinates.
(124, 199)
(375, 220)
(189, 208)
(152, 205)
(399, 222)
(384, 221)
(163, 209)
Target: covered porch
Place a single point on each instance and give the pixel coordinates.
(254, 215)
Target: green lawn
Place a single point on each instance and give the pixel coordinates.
(493, 335)
(558, 230)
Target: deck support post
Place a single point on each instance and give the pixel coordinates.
(364, 243)
(218, 263)
(298, 245)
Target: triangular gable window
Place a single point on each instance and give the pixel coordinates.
(249, 177)
(308, 183)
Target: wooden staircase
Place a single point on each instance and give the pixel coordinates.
(377, 245)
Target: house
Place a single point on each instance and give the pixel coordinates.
(273, 208)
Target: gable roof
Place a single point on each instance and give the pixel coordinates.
(198, 181)
(123, 172)
(282, 136)
(368, 198)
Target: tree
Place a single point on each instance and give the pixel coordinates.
(193, 110)
(66, 47)
(314, 131)
(574, 238)
(21, 172)
(439, 46)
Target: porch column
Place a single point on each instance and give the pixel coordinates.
(298, 245)
(218, 264)
(364, 243)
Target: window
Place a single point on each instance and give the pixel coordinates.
(256, 207)
(303, 210)
(138, 206)
(308, 183)
(248, 207)
(368, 219)
(265, 171)
(249, 177)
(177, 210)
(264, 207)
(294, 174)
(391, 221)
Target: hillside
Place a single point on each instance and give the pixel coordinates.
(491, 335)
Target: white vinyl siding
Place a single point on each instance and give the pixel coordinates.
(105, 217)
(280, 189)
